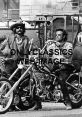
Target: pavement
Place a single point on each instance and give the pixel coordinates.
(52, 106)
(48, 110)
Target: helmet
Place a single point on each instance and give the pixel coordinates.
(79, 38)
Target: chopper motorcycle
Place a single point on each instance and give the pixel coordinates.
(47, 87)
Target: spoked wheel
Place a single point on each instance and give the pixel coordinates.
(5, 102)
(76, 93)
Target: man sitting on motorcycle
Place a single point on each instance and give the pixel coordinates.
(13, 48)
(16, 47)
(61, 51)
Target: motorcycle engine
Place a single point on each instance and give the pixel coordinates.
(57, 94)
(16, 100)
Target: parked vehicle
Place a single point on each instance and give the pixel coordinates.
(47, 88)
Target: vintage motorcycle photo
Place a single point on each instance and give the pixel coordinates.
(24, 91)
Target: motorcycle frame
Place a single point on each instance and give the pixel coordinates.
(30, 67)
(18, 81)
(55, 77)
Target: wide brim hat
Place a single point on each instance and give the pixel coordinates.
(18, 23)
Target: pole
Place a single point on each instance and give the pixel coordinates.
(65, 22)
(72, 29)
(45, 29)
(52, 35)
(7, 13)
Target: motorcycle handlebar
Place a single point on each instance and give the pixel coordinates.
(46, 43)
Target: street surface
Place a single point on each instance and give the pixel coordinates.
(48, 110)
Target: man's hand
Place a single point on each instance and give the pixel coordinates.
(49, 42)
(57, 43)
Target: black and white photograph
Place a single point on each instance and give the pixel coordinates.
(41, 58)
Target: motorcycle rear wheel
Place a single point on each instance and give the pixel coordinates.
(75, 94)
(27, 100)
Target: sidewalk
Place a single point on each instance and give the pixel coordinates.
(52, 105)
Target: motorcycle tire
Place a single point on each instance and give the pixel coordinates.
(75, 94)
(5, 102)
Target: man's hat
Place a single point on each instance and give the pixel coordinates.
(18, 23)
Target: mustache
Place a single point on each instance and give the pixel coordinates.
(19, 31)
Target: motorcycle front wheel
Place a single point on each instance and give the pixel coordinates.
(5, 102)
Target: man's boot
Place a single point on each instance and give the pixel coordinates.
(38, 105)
(68, 106)
(66, 96)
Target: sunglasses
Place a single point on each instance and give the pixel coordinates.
(19, 27)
